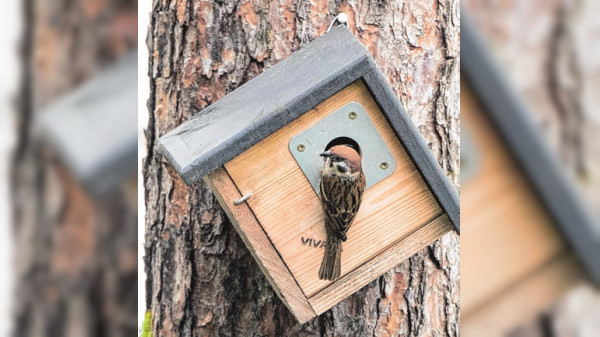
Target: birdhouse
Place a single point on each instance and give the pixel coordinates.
(258, 149)
(526, 239)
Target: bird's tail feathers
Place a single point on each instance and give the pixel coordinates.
(332, 260)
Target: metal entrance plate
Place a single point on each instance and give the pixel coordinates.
(351, 121)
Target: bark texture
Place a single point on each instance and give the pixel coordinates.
(201, 279)
(545, 50)
(75, 269)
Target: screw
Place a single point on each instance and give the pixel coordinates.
(342, 18)
(384, 165)
(352, 115)
(301, 147)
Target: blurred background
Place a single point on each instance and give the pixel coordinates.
(520, 274)
(68, 188)
(68, 185)
(9, 68)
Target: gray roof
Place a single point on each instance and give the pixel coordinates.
(260, 107)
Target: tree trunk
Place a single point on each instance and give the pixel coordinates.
(201, 279)
(75, 258)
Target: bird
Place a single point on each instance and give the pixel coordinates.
(342, 187)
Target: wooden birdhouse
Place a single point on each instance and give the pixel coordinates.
(258, 148)
(526, 239)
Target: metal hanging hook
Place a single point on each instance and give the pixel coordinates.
(342, 18)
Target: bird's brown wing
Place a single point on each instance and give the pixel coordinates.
(341, 200)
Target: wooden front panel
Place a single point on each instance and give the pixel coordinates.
(259, 245)
(506, 235)
(290, 212)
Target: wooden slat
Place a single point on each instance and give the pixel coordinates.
(524, 301)
(506, 232)
(289, 210)
(380, 264)
(259, 245)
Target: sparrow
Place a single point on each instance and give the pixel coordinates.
(342, 187)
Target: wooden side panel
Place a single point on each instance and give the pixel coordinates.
(259, 245)
(290, 211)
(506, 233)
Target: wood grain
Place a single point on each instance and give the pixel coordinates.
(259, 245)
(506, 233)
(289, 210)
(388, 259)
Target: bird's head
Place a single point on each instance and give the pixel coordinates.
(342, 160)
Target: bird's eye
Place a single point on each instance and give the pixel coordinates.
(335, 157)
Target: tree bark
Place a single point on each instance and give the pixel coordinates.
(201, 279)
(75, 258)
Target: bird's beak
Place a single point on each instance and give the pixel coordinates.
(325, 154)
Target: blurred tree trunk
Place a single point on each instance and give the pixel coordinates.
(201, 279)
(75, 258)
(544, 51)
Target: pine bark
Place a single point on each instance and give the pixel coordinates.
(201, 279)
(75, 257)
